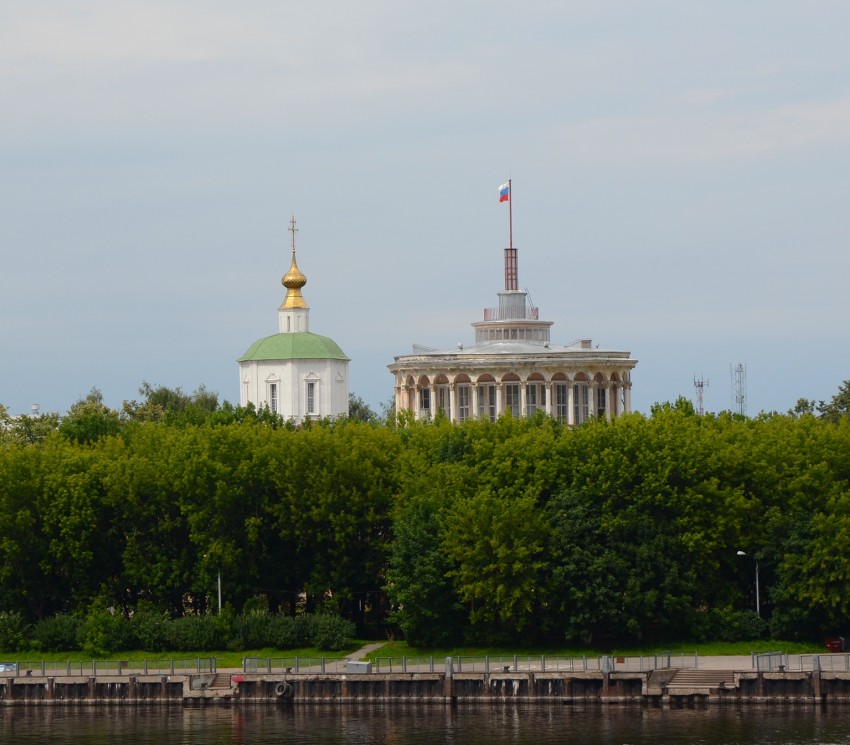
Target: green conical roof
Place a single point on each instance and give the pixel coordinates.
(295, 346)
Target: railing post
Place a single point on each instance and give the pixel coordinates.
(432, 663)
(323, 665)
(172, 666)
(486, 664)
(296, 664)
(542, 663)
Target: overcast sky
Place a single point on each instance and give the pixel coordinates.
(680, 176)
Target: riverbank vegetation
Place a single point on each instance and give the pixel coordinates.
(513, 532)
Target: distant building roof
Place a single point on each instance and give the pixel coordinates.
(293, 346)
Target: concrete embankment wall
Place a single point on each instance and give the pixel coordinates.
(461, 688)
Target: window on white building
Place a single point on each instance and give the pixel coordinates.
(600, 402)
(512, 399)
(444, 402)
(273, 398)
(581, 404)
(425, 399)
(311, 397)
(463, 402)
(561, 409)
(487, 401)
(535, 398)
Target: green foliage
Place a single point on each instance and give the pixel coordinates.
(149, 630)
(57, 633)
(520, 530)
(729, 625)
(14, 631)
(204, 632)
(333, 633)
(89, 420)
(359, 410)
(104, 632)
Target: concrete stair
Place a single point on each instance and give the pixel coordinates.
(700, 681)
(221, 680)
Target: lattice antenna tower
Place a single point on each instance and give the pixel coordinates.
(739, 388)
(699, 386)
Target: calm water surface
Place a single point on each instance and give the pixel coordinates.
(415, 725)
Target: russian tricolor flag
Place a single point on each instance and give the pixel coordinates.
(505, 192)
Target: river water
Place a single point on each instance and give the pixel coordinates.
(418, 725)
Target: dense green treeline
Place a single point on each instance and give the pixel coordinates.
(522, 530)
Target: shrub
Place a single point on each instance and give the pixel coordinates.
(104, 632)
(57, 633)
(252, 630)
(333, 632)
(201, 633)
(13, 631)
(730, 625)
(150, 630)
(282, 632)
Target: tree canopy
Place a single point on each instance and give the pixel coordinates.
(518, 530)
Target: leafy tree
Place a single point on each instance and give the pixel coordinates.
(838, 406)
(359, 410)
(89, 419)
(496, 547)
(172, 405)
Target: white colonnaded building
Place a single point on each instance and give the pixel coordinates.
(514, 367)
(295, 373)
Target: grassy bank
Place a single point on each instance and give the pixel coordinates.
(703, 649)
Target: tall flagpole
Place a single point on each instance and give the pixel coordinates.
(510, 215)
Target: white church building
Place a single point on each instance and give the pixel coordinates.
(295, 373)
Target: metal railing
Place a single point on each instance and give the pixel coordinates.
(171, 666)
(470, 664)
(512, 313)
(314, 665)
(770, 662)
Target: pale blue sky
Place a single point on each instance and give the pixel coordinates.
(680, 176)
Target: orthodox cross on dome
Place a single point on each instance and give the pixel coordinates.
(294, 279)
(293, 230)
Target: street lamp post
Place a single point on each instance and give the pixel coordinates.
(758, 604)
(219, 588)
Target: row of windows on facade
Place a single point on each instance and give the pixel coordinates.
(309, 398)
(487, 405)
(512, 334)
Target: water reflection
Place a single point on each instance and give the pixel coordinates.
(417, 725)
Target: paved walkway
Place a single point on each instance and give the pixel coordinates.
(361, 653)
(729, 662)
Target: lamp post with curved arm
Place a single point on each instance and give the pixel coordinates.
(758, 604)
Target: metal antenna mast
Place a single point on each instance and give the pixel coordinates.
(699, 386)
(739, 388)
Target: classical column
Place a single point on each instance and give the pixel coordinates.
(550, 406)
(571, 403)
(628, 386)
(473, 401)
(499, 403)
(523, 398)
(453, 402)
(608, 397)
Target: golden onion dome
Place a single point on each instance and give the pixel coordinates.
(294, 279)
